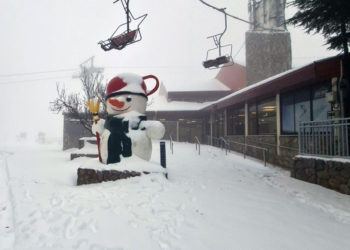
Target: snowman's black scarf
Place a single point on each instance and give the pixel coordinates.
(118, 142)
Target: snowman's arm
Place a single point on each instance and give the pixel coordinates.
(98, 127)
(154, 129)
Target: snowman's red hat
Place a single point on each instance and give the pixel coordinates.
(129, 83)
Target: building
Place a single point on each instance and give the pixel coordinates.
(300, 111)
(265, 114)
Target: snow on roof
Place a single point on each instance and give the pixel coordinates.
(206, 85)
(160, 103)
(255, 85)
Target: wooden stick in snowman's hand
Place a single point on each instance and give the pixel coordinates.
(94, 107)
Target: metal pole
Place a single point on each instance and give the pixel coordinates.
(162, 154)
(264, 158)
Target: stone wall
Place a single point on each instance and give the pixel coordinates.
(264, 141)
(72, 132)
(328, 173)
(288, 149)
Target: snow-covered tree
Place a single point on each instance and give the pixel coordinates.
(75, 104)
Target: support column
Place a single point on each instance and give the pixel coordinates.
(177, 131)
(278, 123)
(211, 127)
(246, 113)
(225, 122)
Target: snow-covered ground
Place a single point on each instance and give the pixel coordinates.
(211, 201)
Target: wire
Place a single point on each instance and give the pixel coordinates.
(34, 80)
(223, 11)
(239, 50)
(39, 72)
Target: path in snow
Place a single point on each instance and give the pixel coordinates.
(211, 201)
(7, 235)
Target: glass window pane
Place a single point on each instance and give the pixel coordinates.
(287, 113)
(320, 106)
(252, 123)
(219, 124)
(235, 116)
(267, 116)
(239, 122)
(302, 106)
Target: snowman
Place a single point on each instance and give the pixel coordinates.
(126, 131)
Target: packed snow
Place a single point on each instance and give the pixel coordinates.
(210, 201)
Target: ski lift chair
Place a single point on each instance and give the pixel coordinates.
(128, 36)
(221, 60)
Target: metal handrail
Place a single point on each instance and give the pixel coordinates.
(329, 138)
(325, 121)
(171, 145)
(225, 143)
(264, 150)
(197, 142)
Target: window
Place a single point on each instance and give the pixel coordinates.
(262, 117)
(267, 116)
(219, 124)
(304, 105)
(320, 106)
(287, 113)
(252, 123)
(295, 107)
(207, 125)
(235, 120)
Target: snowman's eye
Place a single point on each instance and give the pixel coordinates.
(128, 99)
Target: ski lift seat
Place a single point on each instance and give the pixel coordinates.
(216, 62)
(124, 38)
(119, 42)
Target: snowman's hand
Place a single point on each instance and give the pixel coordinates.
(154, 129)
(98, 126)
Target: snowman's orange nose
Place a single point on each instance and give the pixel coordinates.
(116, 103)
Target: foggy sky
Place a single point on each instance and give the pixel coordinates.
(57, 35)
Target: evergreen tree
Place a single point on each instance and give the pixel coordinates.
(331, 18)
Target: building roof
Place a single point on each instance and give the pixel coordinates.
(316, 71)
(160, 103)
(185, 85)
(233, 76)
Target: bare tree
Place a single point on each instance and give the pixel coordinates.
(75, 104)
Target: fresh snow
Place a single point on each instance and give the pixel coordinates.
(160, 103)
(210, 201)
(212, 84)
(337, 159)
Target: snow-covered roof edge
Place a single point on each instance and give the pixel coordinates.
(258, 84)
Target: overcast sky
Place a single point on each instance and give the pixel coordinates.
(57, 35)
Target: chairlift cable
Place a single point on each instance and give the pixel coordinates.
(34, 80)
(223, 11)
(37, 73)
(239, 50)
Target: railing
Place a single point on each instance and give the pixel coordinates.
(220, 142)
(197, 142)
(224, 144)
(171, 145)
(324, 138)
